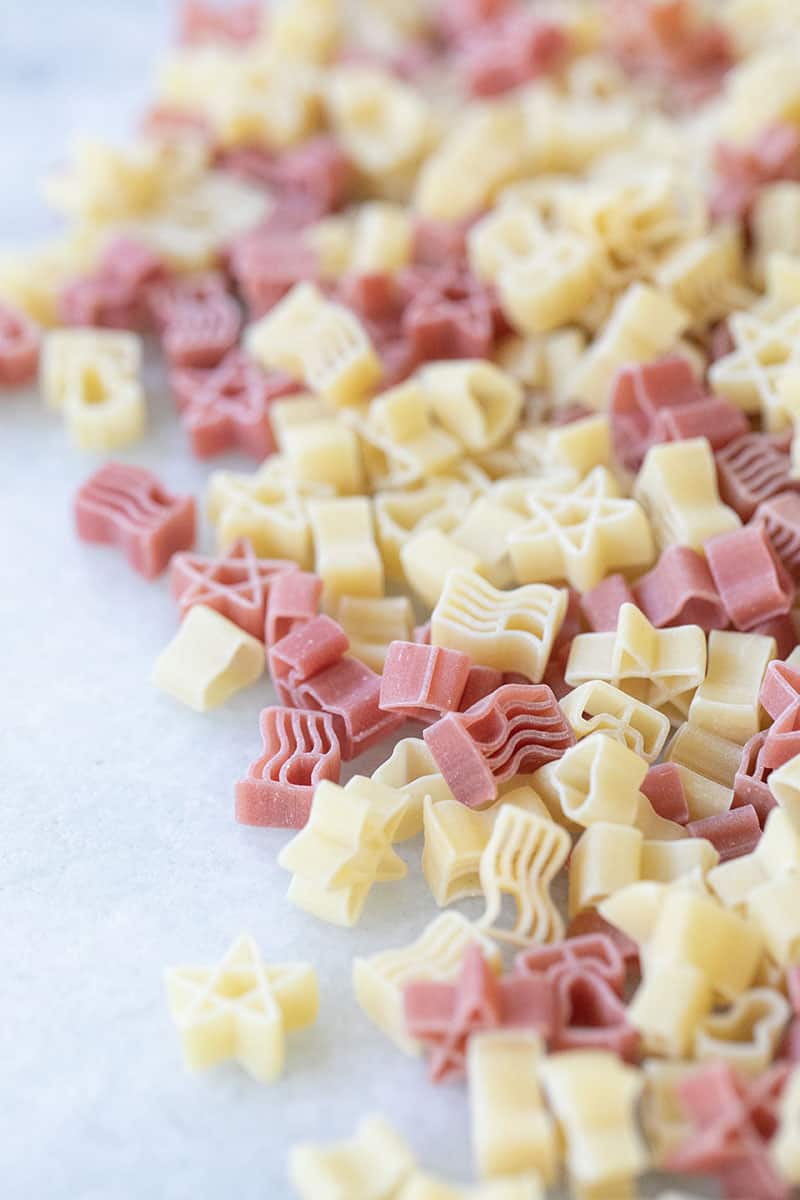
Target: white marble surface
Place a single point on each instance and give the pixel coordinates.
(118, 850)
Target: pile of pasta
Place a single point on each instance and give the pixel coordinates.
(503, 300)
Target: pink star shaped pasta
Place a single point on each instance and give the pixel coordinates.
(236, 585)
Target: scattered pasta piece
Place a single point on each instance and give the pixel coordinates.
(92, 376)
(371, 1165)
(208, 660)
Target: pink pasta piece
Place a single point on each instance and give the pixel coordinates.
(513, 51)
(267, 263)
(590, 922)
(731, 833)
(236, 584)
(350, 692)
(201, 22)
(591, 1016)
(114, 295)
(227, 407)
(754, 468)
(571, 626)
(129, 507)
(374, 296)
(517, 729)
(780, 516)
(450, 314)
(594, 953)
(782, 740)
(780, 688)
(422, 682)
(680, 590)
(438, 243)
(752, 582)
(750, 781)
(199, 322)
(318, 170)
(292, 601)
(19, 348)
(481, 681)
(742, 171)
(602, 603)
(665, 42)
(168, 123)
(422, 634)
(639, 394)
(663, 787)
(300, 749)
(457, 19)
(720, 341)
(783, 629)
(574, 410)
(308, 649)
(714, 418)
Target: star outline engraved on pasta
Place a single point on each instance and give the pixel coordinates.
(751, 375)
(236, 583)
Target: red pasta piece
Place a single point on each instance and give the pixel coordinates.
(720, 341)
(594, 953)
(307, 649)
(679, 590)
(422, 634)
(457, 19)
(714, 418)
(602, 603)
(571, 626)
(19, 348)
(749, 784)
(267, 263)
(201, 22)
(782, 628)
(752, 469)
(236, 584)
(422, 682)
(742, 172)
(291, 602)
(731, 833)
(481, 681)
(517, 729)
(591, 1016)
(663, 787)
(590, 922)
(780, 516)
(350, 692)
(115, 295)
(318, 171)
(780, 688)
(513, 51)
(300, 749)
(450, 314)
(749, 576)
(197, 319)
(638, 395)
(783, 738)
(438, 243)
(129, 507)
(227, 407)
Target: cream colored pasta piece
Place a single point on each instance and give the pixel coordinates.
(654, 827)
(582, 535)
(775, 220)
(552, 284)
(677, 487)
(339, 360)
(593, 1096)
(484, 530)
(372, 622)
(428, 558)
(761, 91)
(266, 507)
(784, 783)
(402, 417)
(297, 411)
(660, 667)
(754, 374)
(473, 399)
(708, 765)
(411, 770)
(598, 707)
(782, 285)
(382, 238)
(439, 504)
(507, 233)
(92, 376)
(383, 123)
(664, 1120)
(32, 277)
(208, 660)
(747, 1034)
(347, 556)
(777, 852)
(668, 1007)
(423, 1186)
(345, 847)
(331, 240)
(604, 859)
(706, 276)
(378, 980)
(305, 30)
(511, 1129)
(521, 859)
(278, 338)
(599, 780)
(371, 1165)
(785, 1146)
(241, 1008)
(508, 630)
(582, 444)
(324, 451)
(773, 908)
(727, 700)
(667, 861)
(567, 133)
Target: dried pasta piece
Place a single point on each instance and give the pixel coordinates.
(436, 955)
(266, 507)
(599, 780)
(665, 861)
(372, 624)
(773, 908)
(403, 416)
(784, 783)
(679, 590)
(325, 452)
(299, 749)
(663, 787)
(601, 604)
(208, 660)
(604, 859)
(291, 604)
(473, 400)
(347, 557)
(236, 584)
(423, 1186)
(786, 1143)
(241, 1009)
(371, 1165)
(582, 535)
(752, 375)
(664, 1121)
(411, 770)
(669, 1007)
(19, 347)
(484, 531)
(677, 487)
(509, 630)
(660, 667)
(752, 469)
(92, 376)
(523, 855)
(552, 284)
(429, 557)
(598, 707)
(641, 393)
(706, 275)
(511, 1129)
(764, 592)
(422, 682)
(727, 700)
(382, 122)
(780, 517)
(747, 1034)
(707, 764)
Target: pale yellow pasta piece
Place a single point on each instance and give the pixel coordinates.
(331, 240)
(581, 536)
(727, 700)
(439, 504)
(428, 557)
(566, 133)
(511, 1129)
(523, 855)
(667, 861)
(753, 374)
(664, 1120)
(307, 30)
(411, 770)
(371, 623)
(382, 123)
(345, 847)
(382, 238)
(378, 980)
(266, 507)
(762, 91)
(660, 667)
(278, 338)
(474, 400)
(784, 783)
(654, 827)
(510, 631)
(708, 765)
(669, 1005)
(295, 412)
(371, 1165)
(423, 1186)
(347, 557)
(92, 376)
(777, 852)
(775, 221)
(706, 276)
(746, 1035)
(208, 660)
(241, 1008)
(781, 283)
(785, 1146)
(599, 780)
(598, 707)
(677, 487)
(552, 285)
(774, 910)
(31, 278)
(604, 859)
(593, 1096)
(402, 416)
(507, 233)
(484, 529)
(323, 451)
(582, 445)
(339, 360)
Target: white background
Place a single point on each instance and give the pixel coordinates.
(119, 853)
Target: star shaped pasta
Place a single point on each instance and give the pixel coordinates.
(755, 374)
(581, 536)
(241, 1009)
(236, 584)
